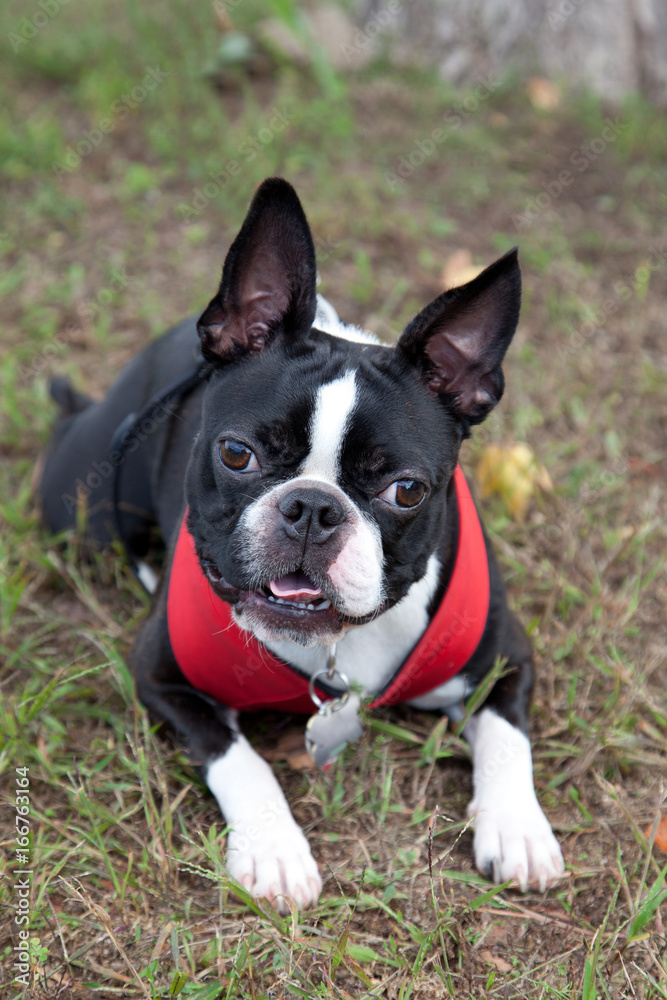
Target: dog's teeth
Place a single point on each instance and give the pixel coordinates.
(321, 604)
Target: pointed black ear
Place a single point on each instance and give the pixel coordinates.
(458, 342)
(268, 280)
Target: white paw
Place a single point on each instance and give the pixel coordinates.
(516, 842)
(266, 849)
(513, 839)
(275, 862)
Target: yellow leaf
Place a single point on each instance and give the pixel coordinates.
(542, 93)
(512, 472)
(459, 269)
(500, 963)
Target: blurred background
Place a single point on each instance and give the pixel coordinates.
(424, 139)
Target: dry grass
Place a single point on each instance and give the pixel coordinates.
(128, 894)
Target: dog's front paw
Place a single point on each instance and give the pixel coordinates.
(266, 849)
(515, 841)
(276, 863)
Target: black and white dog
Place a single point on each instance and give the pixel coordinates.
(305, 481)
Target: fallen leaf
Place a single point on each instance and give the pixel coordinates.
(301, 761)
(459, 269)
(661, 834)
(543, 94)
(500, 963)
(290, 747)
(512, 472)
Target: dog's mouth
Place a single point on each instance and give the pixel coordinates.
(293, 590)
(296, 590)
(293, 601)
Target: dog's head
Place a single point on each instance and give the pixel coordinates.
(318, 485)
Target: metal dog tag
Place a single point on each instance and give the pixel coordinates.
(336, 724)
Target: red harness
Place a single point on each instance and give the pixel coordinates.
(217, 657)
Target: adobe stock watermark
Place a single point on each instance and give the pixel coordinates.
(30, 26)
(580, 159)
(325, 248)
(246, 151)
(22, 886)
(591, 492)
(453, 118)
(107, 466)
(91, 139)
(377, 23)
(623, 290)
(562, 12)
(244, 833)
(251, 665)
(444, 646)
(508, 748)
(87, 311)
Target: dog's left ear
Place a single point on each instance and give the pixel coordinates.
(268, 280)
(458, 342)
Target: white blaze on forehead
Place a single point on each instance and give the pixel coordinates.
(331, 414)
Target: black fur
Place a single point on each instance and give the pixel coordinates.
(266, 361)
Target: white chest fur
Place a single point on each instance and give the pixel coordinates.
(370, 654)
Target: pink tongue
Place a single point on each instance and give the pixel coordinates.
(294, 585)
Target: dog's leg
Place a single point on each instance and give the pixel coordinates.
(513, 838)
(266, 850)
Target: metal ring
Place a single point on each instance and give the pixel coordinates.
(315, 698)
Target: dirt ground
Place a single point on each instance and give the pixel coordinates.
(128, 893)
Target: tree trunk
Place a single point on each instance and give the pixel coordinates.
(613, 47)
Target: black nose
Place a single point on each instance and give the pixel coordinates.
(311, 512)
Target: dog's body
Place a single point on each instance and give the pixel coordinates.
(324, 508)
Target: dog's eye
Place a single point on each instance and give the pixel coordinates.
(405, 493)
(238, 457)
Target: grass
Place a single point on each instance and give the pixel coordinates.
(128, 894)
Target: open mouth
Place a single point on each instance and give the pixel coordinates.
(291, 604)
(296, 590)
(293, 591)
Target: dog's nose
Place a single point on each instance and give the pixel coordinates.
(311, 512)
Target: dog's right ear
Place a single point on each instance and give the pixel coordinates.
(458, 342)
(268, 280)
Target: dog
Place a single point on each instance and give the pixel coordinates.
(323, 549)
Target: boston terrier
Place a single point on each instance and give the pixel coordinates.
(323, 549)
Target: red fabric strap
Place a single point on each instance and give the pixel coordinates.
(234, 668)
